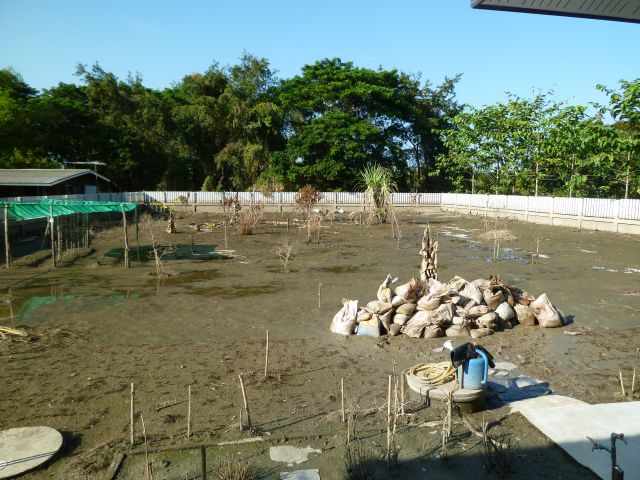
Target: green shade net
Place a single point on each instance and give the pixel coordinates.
(45, 207)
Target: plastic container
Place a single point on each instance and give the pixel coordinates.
(472, 374)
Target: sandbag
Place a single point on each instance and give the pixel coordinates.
(409, 290)
(385, 292)
(370, 328)
(416, 324)
(456, 283)
(495, 300)
(378, 307)
(472, 292)
(400, 319)
(525, 315)
(397, 300)
(364, 315)
(344, 322)
(545, 312)
(522, 297)
(477, 311)
(488, 320)
(457, 331)
(505, 312)
(406, 309)
(442, 315)
(394, 329)
(428, 303)
(432, 331)
(481, 283)
(480, 332)
(385, 319)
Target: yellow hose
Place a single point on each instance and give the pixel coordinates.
(431, 373)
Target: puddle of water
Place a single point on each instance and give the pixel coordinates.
(338, 269)
(144, 253)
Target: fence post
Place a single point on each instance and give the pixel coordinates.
(526, 210)
(581, 214)
(553, 208)
(616, 214)
(486, 206)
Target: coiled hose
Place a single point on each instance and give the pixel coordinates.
(431, 374)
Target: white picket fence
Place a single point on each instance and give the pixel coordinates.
(502, 205)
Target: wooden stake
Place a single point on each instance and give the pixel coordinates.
(389, 419)
(266, 357)
(131, 415)
(127, 264)
(203, 462)
(287, 223)
(246, 404)
(622, 385)
(189, 412)
(319, 296)
(633, 380)
(402, 395)
(7, 247)
(224, 222)
(148, 471)
(342, 397)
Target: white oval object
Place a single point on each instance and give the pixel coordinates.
(400, 319)
(344, 322)
(488, 320)
(478, 311)
(397, 301)
(428, 303)
(409, 290)
(22, 449)
(456, 283)
(505, 312)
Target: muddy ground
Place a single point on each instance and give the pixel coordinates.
(97, 327)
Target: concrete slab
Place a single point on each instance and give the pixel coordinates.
(568, 422)
(22, 449)
(291, 455)
(301, 475)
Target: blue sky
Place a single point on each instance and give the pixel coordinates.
(495, 51)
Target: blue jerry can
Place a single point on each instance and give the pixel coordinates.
(472, 374)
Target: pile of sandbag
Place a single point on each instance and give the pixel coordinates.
(457, 308)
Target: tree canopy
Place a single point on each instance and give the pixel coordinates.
(241, 127)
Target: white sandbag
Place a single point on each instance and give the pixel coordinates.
(482, 283)
(505, 312)
(428, 303)
(477, 311)
(364, 315)
(406, 309)
(488, 320)
(409, 290)
(433, 331)
(472, 292)
(525, 315)
(494, 300)
(378, 307)
(385, 319)
(480, 332)
(442, 315)
(385, 292)
(456, 283)
(457, 331)
(400, 319)
(545, 312)
(416, 324)
(397, 300)
(344, 322)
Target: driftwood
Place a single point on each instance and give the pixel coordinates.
(429, 252)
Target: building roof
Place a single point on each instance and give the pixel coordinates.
(42, 177)
(619, 10)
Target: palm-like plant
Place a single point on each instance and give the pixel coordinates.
(376, 181)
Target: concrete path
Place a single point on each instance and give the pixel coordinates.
(568, 422)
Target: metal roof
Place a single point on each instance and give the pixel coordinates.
(619, 10)
(41, 177)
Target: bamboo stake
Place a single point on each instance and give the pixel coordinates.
(402, 395)
(389, 420)
(266, 357)
(622, 384)
(342, 397)
(246, 403)
(189, 412)
(633, 380)
(131, 415)
(287, 223)
(224, 223)
(319, 296)
(7, 247)
(148, 471)
(203, 462)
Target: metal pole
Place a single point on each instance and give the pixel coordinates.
(53, 243)
(126, 239)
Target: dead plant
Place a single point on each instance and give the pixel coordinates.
(499, 453)
(313, 228)
(157, 251)
(246, 221)
(359, 462)
(234, 469)
(284, 250)
(306, 198)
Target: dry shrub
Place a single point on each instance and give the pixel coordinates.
(359, 462)
(283, 250)
(499, 454)
(500, 235)
(246, 221)
(234, 469)
(307, 198)
(313, 227)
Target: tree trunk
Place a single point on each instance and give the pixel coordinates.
(537, 172)
(127, 264)
(7, 247)
(626, 183)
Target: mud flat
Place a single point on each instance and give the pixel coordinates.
(97, 327)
